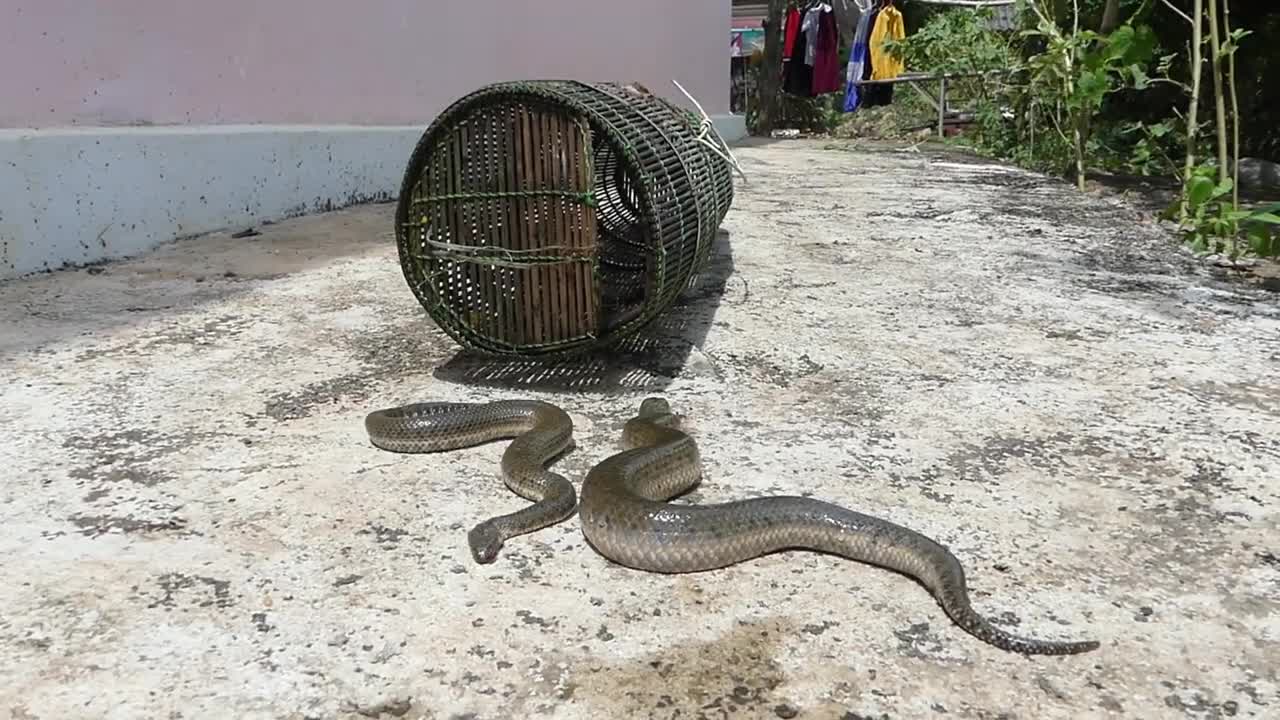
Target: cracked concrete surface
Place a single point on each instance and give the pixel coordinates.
(195, 525)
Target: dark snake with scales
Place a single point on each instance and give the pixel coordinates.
(627, 517)
(541, 432)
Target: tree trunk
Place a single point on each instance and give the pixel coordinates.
(1197, 62)
(1235, 108)
(1235, 127)
(1219, 92)
(1079, 116)
(1110, 17)
(1078, 140)
(771, 72)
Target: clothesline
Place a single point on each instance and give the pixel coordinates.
(865, 5)
(810, 56)
(811, 49)
(970, 3)
(811, 63)
(910, 76)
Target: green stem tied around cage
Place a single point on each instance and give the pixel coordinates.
(505, 257)
(585, 198)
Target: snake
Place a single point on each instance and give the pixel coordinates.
(626, 516)
(539, 432)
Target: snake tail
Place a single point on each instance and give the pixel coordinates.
(539, 433)
(626, 517)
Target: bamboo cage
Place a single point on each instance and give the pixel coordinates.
(554, 217)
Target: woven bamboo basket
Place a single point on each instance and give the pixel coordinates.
(554, 217)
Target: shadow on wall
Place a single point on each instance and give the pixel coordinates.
(646, 361)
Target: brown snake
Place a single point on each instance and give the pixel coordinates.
(626, 517)
(541, 432)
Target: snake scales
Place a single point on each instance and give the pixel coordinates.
(541, 432)
(627, 518)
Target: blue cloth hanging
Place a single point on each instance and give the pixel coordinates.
(859, 61)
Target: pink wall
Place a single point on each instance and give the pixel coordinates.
(375, 62)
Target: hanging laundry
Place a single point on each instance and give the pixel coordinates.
(889, 26)
(810, 29)
(884, 66)
(826, 60)
(859, 67)
(791, 27)
(870, 93)
(811, 50)
(797, 75)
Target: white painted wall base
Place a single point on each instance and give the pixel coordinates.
(81, 195)
(731, 127)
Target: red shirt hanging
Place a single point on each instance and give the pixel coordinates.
(826, 59)
(792, 26)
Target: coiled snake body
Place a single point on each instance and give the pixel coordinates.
(626, 518)
(541, 432)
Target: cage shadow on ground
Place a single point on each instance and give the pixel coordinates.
(648, 360)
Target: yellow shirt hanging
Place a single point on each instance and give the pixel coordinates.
(889, 26)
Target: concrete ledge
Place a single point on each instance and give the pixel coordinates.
(70, 196)
(731, 127)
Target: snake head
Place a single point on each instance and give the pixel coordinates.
(654, 406)
(658, 411)
(485, 543)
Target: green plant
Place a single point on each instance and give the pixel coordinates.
(1151, 147)
(1078, 69)
(956, 42)
(1209, 218)
(1040, 102)
(1213, 221)
(1262, 228)
(1072, 97)
(960, 41)
(1207, 222)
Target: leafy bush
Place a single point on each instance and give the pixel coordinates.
(1072, 99)
(1154, 148)
(1042, 109)
(1213, 224)
(957, 41)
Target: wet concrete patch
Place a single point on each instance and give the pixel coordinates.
(402, 351)
(734, 674)
(180, 591)
(95, 525)
(300, 403)
(127, 455)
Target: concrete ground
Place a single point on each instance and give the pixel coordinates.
(195, 526)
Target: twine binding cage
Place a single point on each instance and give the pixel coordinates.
(552, 217)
